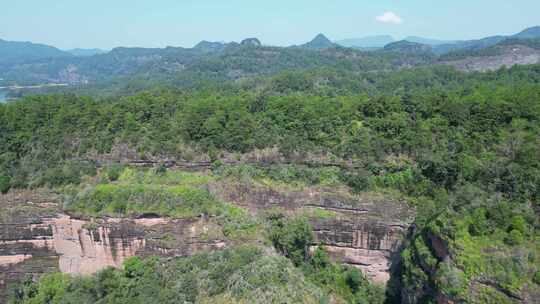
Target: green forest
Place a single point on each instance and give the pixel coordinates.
(461, 149)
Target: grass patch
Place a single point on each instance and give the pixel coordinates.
(174, 194)
(318, 213)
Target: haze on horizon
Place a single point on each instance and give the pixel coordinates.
(107, 24)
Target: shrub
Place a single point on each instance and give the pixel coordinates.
(354, 279)
(160, 170)
(291, 237)
(536, 278)
(357, 180)
(64, 175)
(320, 259)
(238, 275)
(514, 238)
(114, 172)
(5, 184)
(519, 223)
(451, 280)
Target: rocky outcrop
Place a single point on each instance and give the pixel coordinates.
(35, 239)
(251, 42)
(319, 42)
(507, 56)
(364, 231)
(407, 47)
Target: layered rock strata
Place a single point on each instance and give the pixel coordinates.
(365, 230)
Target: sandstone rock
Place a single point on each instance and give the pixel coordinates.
(35, 242)
(366, 231)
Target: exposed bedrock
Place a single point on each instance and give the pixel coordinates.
(35, 239)
(365, 230)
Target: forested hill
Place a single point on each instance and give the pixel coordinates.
(213, 62)
(462, 149)
(19, 52)
(205, 62)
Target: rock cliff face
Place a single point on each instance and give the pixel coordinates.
(508, 56)
(35, 236)
(365, 231)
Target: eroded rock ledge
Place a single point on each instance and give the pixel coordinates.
(35, 239)
(35, 236)
(364, 231)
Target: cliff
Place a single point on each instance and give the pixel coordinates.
(365, 231)
(35, 237)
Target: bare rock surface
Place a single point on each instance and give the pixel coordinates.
(364, 231)
(509, 56)
(35, 237)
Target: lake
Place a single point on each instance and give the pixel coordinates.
(3, 96)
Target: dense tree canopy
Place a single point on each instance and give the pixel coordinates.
(463, 148)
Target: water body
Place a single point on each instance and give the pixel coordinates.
(3, 96)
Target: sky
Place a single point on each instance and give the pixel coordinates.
(158, 23)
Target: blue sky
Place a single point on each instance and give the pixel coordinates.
(158, 23)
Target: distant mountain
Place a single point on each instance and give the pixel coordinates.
(251, 42)
(408, 47)
(27, 63)
(468, 44)
(207, 46)
(212, 47)
(427, 41)
(507, 53)
(367, 42)
(530, 33)
(478, 44)
(11, 51)
(86, 52)
(319, 42)
(207, 61)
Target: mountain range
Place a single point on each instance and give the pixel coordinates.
(11, 51)
(25, 63)
(86, 52)
(380, 41)
(529, 33)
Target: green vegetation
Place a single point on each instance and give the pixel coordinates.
(136, 192)
(495, 50)
(461, 148)
(291, 238)
(5, 184)
(243, 274)
(488, 239)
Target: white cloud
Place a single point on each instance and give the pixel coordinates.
(389, 17)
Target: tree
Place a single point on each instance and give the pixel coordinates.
(291, 237)
(5, 184)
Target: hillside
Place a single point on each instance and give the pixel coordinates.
(319, 42)
(206, 62)
(474, 45)
(410, 186)
(367, 42)
(11, 52)
(407, 47)
(86, 52)
(131, 70)
(507, 53)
